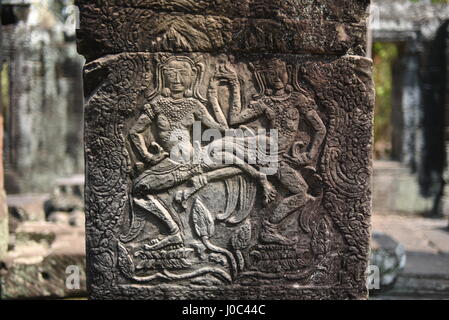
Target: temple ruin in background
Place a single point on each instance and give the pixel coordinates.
(411, 167)
(41, 98)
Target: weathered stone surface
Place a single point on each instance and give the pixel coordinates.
(67, 195)
(42, 258)
(144, 30)
(333, 10)
(27, 207)
(164, 217)
(389, 256)
(44, 279)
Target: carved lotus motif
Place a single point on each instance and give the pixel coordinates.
(202, 219)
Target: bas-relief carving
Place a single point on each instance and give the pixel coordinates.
(162, 220)
(335, 10)
(175, 107)
(110, 30)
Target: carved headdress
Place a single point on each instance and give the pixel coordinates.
(197, 73)
(260, 68)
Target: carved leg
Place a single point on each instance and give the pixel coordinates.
(223, 163)
(269, 234)
(154, 206)
(200, 181)
(151, 181)
(295, 183)
(229, 159)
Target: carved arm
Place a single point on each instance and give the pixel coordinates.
(205, 117)
(137, 138)
(212, 96)
(320, 132)
(305, 158)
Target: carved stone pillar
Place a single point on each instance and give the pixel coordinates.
(444, 203)
(446, 111)
(228, 148)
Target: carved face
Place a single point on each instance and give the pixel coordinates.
(276, 75)
(178, 76)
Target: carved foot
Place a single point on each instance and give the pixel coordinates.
(270, 235)
(156, 244)
(197, 182)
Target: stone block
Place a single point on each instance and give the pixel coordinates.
(227, 155)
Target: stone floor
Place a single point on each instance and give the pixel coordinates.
(426, 240)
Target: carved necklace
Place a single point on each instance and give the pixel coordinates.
(280, 111)
(175, 110)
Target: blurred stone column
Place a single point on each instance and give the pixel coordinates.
(445, 198)
(411, 101)
(43, 126)
(3, 209)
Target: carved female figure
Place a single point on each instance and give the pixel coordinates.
(283, 107)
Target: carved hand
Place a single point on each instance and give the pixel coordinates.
(213, 85)
(226, 72)
(155, 158)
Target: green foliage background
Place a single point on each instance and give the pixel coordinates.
(384, 55)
